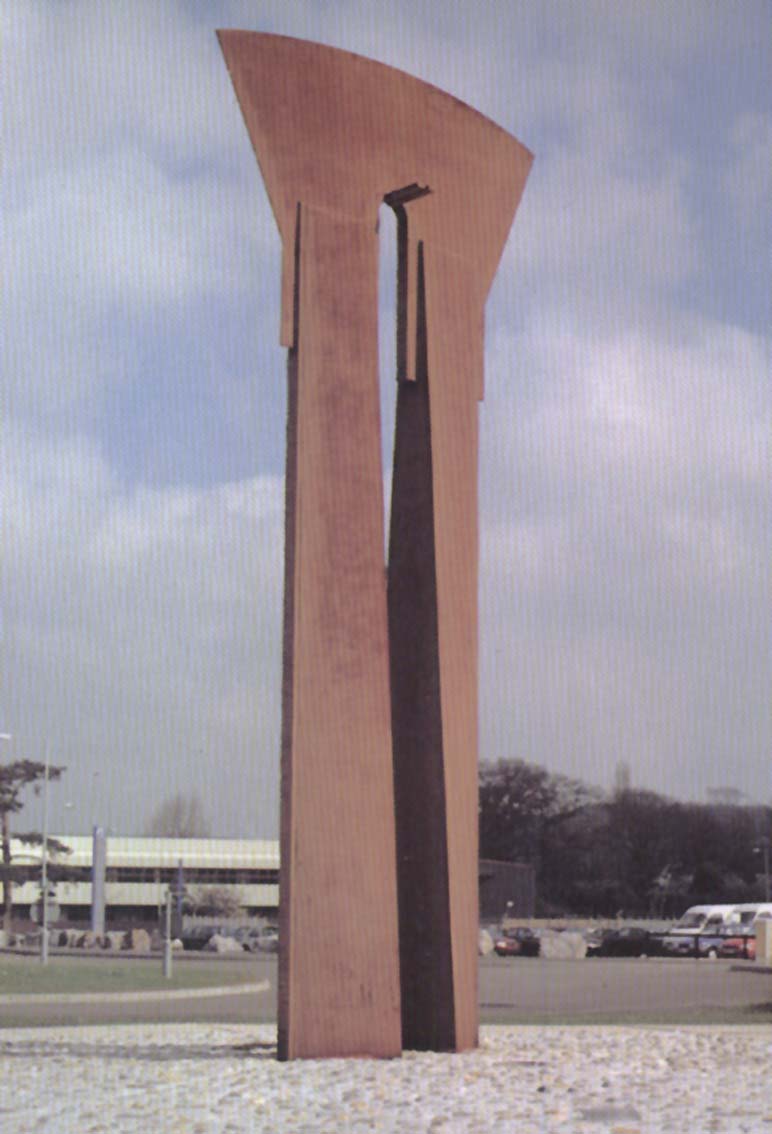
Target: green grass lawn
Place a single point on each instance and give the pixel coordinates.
(26, 976)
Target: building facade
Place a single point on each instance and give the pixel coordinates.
(141, 870)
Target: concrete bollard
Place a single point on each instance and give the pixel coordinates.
(764, 940)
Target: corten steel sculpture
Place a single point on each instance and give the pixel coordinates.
(378, 912)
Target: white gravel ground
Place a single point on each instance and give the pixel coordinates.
(203, 1079)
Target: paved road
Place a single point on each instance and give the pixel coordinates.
(512, 990)
(615, 989)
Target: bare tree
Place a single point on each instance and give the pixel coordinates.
(179, 816)
(213, 901)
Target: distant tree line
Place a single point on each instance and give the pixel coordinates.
(631, 851)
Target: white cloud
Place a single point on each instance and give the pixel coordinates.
(681, 405)
(625, 552)
(625, 433)
(600, 244)
(144, 629)
(748, 178)
(133, 190)
(87, 77)
(116, 240)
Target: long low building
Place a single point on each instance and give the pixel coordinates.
(139, 872)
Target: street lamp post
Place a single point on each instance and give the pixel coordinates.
(6, 841)
(44, 868)
(763, 846)
(167, 962)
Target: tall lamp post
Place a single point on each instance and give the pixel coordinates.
(44, 867)
(762, 847)
(6, 838)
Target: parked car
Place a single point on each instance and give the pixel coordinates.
(741, 946)
(628, 941)
(518, 941)
(265, 940)
(257, 938)
(246, 935)
(700, 931)
(197, 937)
(697, 945)
(594, 939)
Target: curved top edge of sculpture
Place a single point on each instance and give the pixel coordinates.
(341, 133)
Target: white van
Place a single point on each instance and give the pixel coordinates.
(699, 919)
(747, 912)
(692, 933)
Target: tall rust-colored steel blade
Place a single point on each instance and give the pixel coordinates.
(379, 735)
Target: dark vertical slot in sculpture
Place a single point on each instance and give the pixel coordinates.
(288, 619)
(425, 946)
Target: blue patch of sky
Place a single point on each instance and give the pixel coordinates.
(206, 402)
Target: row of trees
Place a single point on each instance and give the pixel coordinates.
(633, 851)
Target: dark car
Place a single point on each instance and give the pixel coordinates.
(197, 937)
(594, 939)
(519, 941)
(629, 941)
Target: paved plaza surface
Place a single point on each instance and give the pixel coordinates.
(224, 1079)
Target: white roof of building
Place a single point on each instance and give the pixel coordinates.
(153, 850)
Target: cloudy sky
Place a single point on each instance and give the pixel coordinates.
(626, 435)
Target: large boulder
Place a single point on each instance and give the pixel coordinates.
(763, 927)
(137, 940)
(218, 943)
(484, 943)
(567, 946)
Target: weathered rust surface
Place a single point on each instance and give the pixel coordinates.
(339, 977)
(379, 741)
